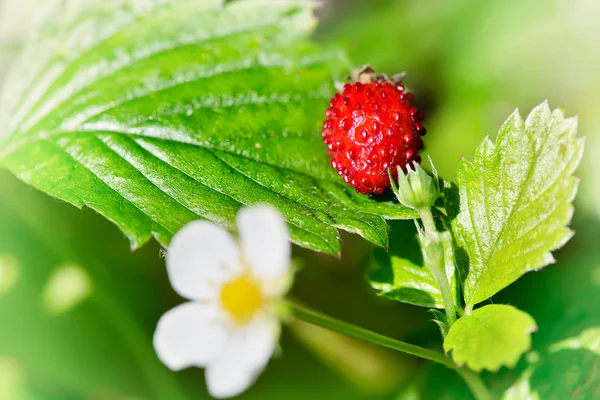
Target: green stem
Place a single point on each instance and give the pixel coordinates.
(427, 219)
(475, 383)
(316, 318)
(434, 252)
(313, 317)
(469, 309)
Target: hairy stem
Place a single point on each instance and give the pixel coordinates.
(325, 321)
(433, 250)
(472, 379)
(427, 219)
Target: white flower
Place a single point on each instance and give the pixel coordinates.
(229, 326)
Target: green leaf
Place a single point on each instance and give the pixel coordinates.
(521, 388)
(490, 337)
(589, 339)
(569, 368)
(568, 374)
(102, 347)
(568, 356)
(157, 113)
(516, 200)
(401, 275)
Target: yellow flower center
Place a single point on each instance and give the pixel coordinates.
(242, 297)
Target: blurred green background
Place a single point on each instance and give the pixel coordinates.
(470, 63)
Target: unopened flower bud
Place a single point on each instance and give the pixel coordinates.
(417, 189)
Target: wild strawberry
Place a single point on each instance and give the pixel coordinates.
(372, 127)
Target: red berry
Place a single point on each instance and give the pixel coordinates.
(372, 127)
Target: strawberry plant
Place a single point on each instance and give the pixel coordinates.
(196, 128)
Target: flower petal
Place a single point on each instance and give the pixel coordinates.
(277, 288)
(189, 335)
(201, 256)
(265, 241)
(246, 355)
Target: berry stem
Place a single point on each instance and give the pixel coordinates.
(433, 252)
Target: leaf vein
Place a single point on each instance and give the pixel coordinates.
(493, 249)
(78, 162)
(161, 51)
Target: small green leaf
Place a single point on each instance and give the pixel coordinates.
(158, 113)
(400, 273)
(515, 200)
(490, 337)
